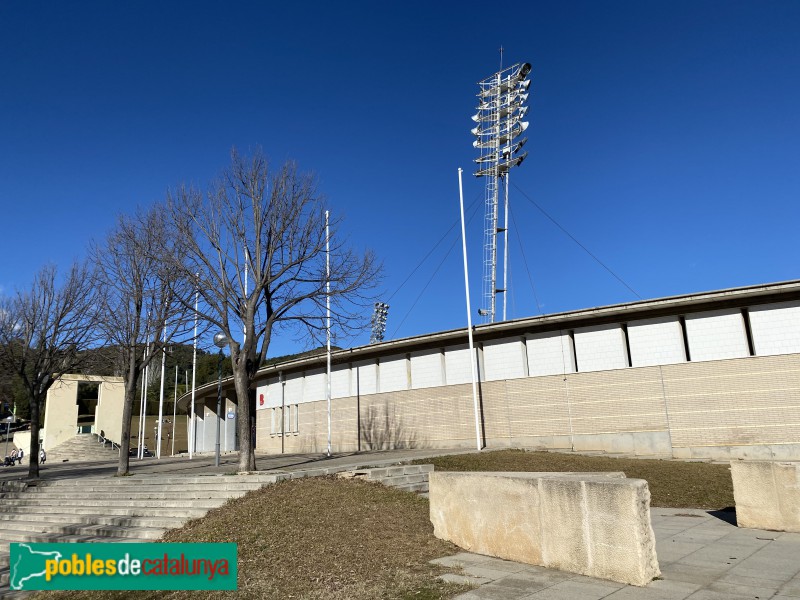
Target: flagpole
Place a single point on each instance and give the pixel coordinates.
(192, 441)
(478, 439)
(328, 323)
(161, 395)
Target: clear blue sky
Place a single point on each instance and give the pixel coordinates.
(664, 135)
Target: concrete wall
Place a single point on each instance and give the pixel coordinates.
(61, 408)
(746, 407)
(110, 402)
(767, 495)
(61, 413)
(717, 402)
(595, 525)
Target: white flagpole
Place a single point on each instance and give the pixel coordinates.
(192, 441)
(142, 408)
(478, 439)
(161, 395)
(174, 411)
(328, 324)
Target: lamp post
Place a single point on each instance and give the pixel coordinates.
(8, 433)
(220, 340)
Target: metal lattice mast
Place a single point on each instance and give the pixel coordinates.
(379, 316)
(501, 108)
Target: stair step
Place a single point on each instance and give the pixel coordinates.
(91, 519)
(88, 537)
(413, 487)
(172, 503)
(196, 494)
(139, 481)
(125, 511)
(399, 480)
(32, 532)
(148, 487)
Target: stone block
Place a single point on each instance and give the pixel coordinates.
(767, 494)
(595, 524)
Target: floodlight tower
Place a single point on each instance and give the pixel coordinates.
(501, 108)
(379, 315)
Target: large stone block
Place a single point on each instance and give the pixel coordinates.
(596, 524)
(767, 494)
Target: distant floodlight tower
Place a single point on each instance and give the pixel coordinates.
(379, 315)
(501, 108)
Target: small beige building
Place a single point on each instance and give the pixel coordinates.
(61, 409)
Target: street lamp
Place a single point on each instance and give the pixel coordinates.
(220, 341)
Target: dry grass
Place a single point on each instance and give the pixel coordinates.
(320, 538)
(673, 484)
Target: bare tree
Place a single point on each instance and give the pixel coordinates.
(44, 333)
(267, 227)
(142, 300)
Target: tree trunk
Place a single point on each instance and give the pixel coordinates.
(33, 455)
(125, 438)
(247, 456)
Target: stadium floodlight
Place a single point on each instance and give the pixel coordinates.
(501, 108)
(379, 315)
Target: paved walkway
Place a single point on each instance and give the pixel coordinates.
(703, 556)
(203, 464)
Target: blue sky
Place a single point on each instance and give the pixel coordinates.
(664, 135)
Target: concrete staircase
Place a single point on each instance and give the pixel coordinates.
(110, 509)
(410, 478)
(84, 447)
(142, 507)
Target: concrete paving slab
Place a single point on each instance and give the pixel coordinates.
(723, 562)
(484, 572)
(462, 579)
(790, 591)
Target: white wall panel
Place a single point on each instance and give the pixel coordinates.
(504, 359)
(549, 354)
(426, 369)
(656, 342)
(293, 388)
(314, 385)
(716, 335)
(366, 377)
(393, 374)
(458, 368)
(271, 392)
(776, 328)
(601, 348)
(341, 379)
